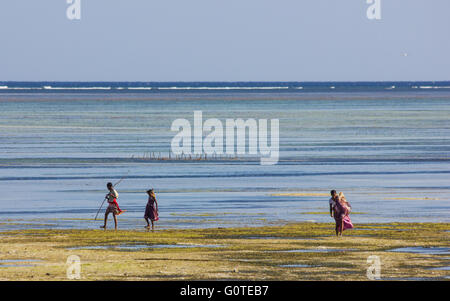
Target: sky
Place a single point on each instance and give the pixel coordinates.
(224, 40)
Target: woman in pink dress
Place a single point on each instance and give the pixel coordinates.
(151, 210)
(341, 214)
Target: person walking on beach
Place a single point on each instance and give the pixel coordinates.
(112, 194)
(340, 210)
(113, 206)
(331, 201)
(151, 210)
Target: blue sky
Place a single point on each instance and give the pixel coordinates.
(224, 40)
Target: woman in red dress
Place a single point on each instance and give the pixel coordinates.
(151, 210)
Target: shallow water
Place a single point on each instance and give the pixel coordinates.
(10, 263)
(412, 279)
(18, 260)
(296, 266)
(16, 265)
(347, 272)
(423, 250)
(447, 268)
(276, 237)
(389, 152)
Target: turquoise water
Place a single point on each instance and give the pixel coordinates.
(389, 152)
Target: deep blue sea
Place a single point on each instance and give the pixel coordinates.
(386, 145)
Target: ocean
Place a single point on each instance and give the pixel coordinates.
(386, 145)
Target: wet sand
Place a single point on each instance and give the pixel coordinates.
(294, 251)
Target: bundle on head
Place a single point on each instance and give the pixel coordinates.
(151, 192)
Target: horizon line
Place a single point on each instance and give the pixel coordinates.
(215, 81)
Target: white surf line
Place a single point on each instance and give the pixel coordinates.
(139, 88)
(221, 88)
(75, 88)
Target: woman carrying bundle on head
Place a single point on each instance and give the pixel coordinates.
(345, 203)
(151, 210)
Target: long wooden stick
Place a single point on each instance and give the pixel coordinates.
(100, 208)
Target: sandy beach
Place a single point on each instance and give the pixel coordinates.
(294, 251)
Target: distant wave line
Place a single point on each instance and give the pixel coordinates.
(76, 88)
(183, 88)
(221, 88)
(430, 87)
(145, 88)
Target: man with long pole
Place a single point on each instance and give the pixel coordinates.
(106, 197)
(113, 206)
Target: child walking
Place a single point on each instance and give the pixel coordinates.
(151, 210)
